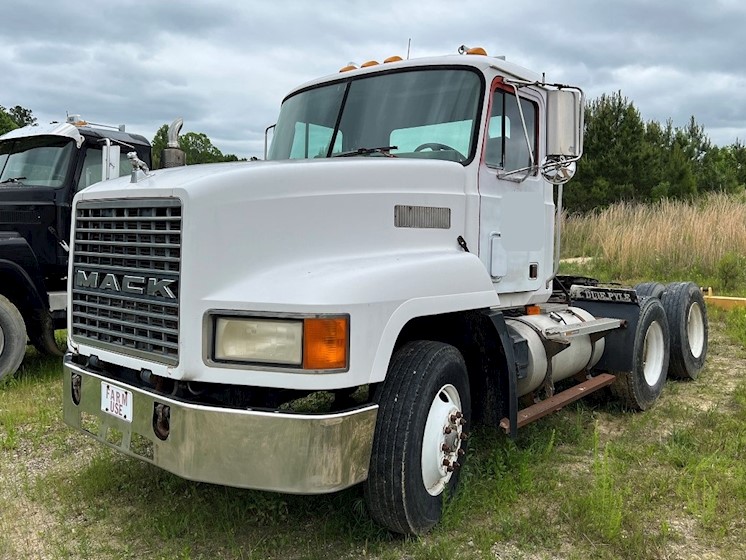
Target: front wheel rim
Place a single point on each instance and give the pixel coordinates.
(695, 330)
(653, 354)
(442, 439)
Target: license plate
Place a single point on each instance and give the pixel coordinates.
(116, 401)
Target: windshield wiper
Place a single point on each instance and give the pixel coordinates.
(13, 180)
(367, 151)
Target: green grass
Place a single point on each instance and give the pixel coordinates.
(591, 481)
(735, 324)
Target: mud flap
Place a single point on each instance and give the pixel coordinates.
(617, 356)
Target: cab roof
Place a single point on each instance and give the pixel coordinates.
(76, 133)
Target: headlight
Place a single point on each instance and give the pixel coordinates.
(313, 343)
(259, 340)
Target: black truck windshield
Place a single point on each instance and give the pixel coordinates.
(422, 113)
(38, 160)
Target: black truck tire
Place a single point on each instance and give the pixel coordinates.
(44, 340)
(12, 337)
(687, 320)
(650, 289)
(640, 388)
(419, 442)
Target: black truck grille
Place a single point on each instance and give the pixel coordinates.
(126, 271)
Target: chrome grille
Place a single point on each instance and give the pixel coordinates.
(126, 269)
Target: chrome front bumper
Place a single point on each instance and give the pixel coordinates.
(292, 453)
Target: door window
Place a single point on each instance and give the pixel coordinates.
(506, 144)
(92, 167)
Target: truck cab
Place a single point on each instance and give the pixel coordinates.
(41, 170)
(484, 117)
(344, 311)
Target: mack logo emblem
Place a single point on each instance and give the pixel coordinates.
(127, 284)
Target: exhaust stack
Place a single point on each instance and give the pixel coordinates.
(172, 155)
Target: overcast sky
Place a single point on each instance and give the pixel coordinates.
(225, 66)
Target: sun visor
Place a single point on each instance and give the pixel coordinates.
(52, 129)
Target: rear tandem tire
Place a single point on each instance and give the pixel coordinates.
(425, 391)
(687, 320)
(650, 289)
(641, 387)
(12, 338)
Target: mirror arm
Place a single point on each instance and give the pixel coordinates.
(523, 126)
(266, 141)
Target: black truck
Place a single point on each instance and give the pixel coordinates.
(41, 169)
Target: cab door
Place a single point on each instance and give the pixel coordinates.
(516, 204)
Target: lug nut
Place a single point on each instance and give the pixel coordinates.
(458, 414)
(462, 421)
(445, 448)
(449, 469)
(446, 463)
(456, 465)
(447, 430)
(463, 436)
(461, 452)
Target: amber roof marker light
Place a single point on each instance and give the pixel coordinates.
(463, 49)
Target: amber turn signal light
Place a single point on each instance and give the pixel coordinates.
(325, 343)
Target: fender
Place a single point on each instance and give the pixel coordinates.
(368, 279)
(18, 263)
(381, 294)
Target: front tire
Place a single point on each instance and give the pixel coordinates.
(12, 337)
(419, 442)
(641, 387)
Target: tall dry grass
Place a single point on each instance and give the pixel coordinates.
(667, 240)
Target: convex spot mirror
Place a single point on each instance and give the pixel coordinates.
(557, 170)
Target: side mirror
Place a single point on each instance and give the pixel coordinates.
(109, 161)
(565, 122)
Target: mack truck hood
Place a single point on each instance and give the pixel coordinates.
(21, 204)
(31, 212)
(319, 236)
(264, 216)
(295, 219)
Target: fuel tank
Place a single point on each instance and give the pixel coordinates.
(581, 354)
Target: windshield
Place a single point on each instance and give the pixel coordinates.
(39, 161)
(422, 113)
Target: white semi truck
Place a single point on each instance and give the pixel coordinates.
(343, 312)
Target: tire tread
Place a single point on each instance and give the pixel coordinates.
(630, 387)
(396, 397)
(15, 337)
(676, 300)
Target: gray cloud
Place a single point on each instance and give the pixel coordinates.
(225, 66)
